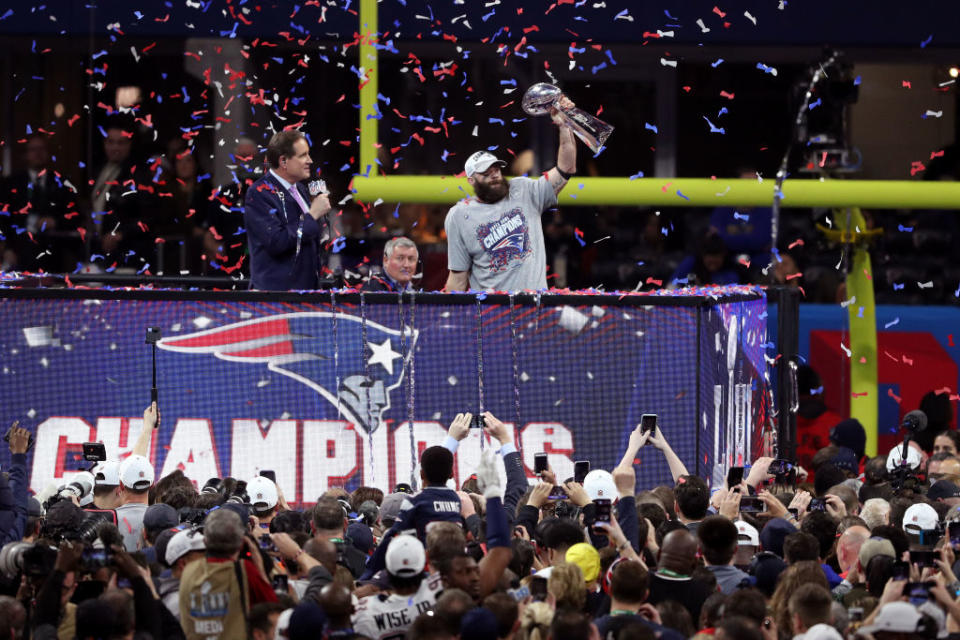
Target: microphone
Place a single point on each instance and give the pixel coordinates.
(317, 187)
(915, 421)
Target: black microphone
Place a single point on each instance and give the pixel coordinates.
(915, 421)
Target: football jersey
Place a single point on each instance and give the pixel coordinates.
(386, 617)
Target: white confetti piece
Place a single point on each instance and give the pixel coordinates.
(202, 322)
(703, 28)
(524, 377)
(750, 17)
(452, 381)
(668, 63)
(846, 350)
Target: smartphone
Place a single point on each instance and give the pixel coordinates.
(924, 557)
(734, 477)
(953, 530)
(794, 512)
(477, 422)
(538, 589)
(280, 583)
(604, 507)
(558, 493)
(917, 592)
(153, 335)
(93, 559)
(648, 422)
(817, 504)
(580, 470)
(856, 614)
(94, 451)
(900, 571)
(539, 463)
(271, 474)
(751, 504)
(780, 467)
(266, 542)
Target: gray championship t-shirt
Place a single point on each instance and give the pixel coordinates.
(130, 523)
(501, 244)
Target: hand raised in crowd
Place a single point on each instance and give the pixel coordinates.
(495, 429)
(760, 471)
(460, 427)
(835, 507)
(577, 494)
(730, 506)
(657, 439)
(19, 438)
(151, 416)
(549, 476)
(555, 112)
(625, 478)
(800, 502)
(540, 494)
(638, 438)
(773, 505)
(467, 508)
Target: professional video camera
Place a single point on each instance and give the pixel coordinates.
(902, 475)
(80, 488)
(34, 560)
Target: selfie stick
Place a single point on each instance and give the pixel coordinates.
(153, 336)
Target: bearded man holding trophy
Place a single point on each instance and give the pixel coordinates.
(495, 240)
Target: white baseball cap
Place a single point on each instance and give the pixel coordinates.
(183, 543)
(599, 485)
(136, 472)
(107, 472)
(748, 534)
(896, 456)
(920, 516)
(405, 556)
(480, 162)
(263, 493)
(895, 617)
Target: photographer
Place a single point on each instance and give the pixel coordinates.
(217, 591)
(13, 493)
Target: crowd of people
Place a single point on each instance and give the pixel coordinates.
(854, 546)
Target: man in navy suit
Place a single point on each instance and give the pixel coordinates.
(285, 226)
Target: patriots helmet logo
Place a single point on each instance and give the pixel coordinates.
(322, 350)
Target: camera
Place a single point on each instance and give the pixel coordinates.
(478, 422)
(817, 504)
(33, 560)
(81, 488)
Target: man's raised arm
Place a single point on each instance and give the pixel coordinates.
(566, 154)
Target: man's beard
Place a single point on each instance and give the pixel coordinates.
(491, 193)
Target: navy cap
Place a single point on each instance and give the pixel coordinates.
(361, 536)
(34, 508)
(943, 489)
(158, 517)
(773, 534)
(849, 433)
(239, 509)
(478, 624)
(306, 622)
(846, 460)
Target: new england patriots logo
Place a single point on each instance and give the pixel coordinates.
(323, 350)
(505, 239)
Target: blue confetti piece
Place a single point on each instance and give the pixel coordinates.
(396, 212)
(722, 111)
(816, 391)
(714, 129)
(598, 67)
(741, 216)
(512, 82)
(859, 312)
(339, 244)
(138, 14)
(19, 93)
(99, 54)
(638, 174)
(489, 15)
(580, 240)
(610, 57)
(7, 14)
(813, 105)
(102, 132)
(497, 121)
(766, 69)
(900, 227)
(716, 63)
(923, 45)
(682, 196)
(897, 286)
(482, 296)
(667, 13)
(650, 127)
(857, 81)
(29, 130)
(893, 322)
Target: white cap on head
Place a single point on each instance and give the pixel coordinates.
(183, 543)
(263, 493)
(895, 617)
(747, 534)
(107, 472)
(480, 162)
(599, 485)
(136, 472)
(406, 556)
(920, 517)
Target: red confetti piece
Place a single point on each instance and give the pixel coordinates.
(906, 84)
(728, 96)
(720, 13)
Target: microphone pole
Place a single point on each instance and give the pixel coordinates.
(153, 337)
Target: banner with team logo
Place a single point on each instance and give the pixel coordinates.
(342, 391)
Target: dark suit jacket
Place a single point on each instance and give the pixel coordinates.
(273, 216)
